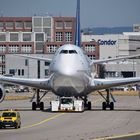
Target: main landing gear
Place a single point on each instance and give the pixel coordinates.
(38, 103)
(87, 104)
(107, 103)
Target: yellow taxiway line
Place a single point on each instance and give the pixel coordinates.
(118, 136)
(35, 124)
(44, 121)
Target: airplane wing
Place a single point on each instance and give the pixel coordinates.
(112, 59)
(98, 84)
(36, 58)
(36, 83)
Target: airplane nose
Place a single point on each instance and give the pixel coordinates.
(67, 66)
(67, 71)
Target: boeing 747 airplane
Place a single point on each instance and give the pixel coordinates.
(72, 74)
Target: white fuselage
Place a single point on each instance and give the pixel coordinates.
(71, 71)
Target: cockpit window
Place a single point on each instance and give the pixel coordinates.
(64, 51)
(68, 51)
(72, 51)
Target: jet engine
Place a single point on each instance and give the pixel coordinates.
(2, 93)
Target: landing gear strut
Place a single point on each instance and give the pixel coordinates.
(38, 103)
(107, 103)
(87, 104)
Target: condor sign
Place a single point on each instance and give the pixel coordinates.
(106, 42)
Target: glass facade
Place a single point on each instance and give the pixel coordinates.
(13, 48)
(2, 36)
(68, 36)
(58, 36)
(51, 48)
(1, 24)
(39, 37)
(9, 25)
(68, 25)
(90, 48)
(43, 24)
(37, 22)
(28, 24)
(19, 24)
(14, 37)
(39, 47)
(47, 31)
(46, 22)
(2, 58)
(59, 25)
(27, 37)
(26, 48)
(2, 48)
(92, 57)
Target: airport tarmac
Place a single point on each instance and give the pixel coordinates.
(122, 123)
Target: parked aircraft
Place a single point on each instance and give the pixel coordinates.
(72, 73)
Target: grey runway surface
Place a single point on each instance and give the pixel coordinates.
(89, 125)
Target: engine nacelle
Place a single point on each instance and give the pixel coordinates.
(2, 93)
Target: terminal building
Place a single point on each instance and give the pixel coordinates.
(37, 36)
(43, 35)
(117, 45)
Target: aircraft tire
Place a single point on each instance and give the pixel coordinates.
(104, 105)
(34, 105)
(89, 105)
(111, 106)
(41, 105)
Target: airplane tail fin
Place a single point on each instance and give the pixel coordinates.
(78, 30)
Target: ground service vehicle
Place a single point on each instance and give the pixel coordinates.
(67, 104)
(10, 118)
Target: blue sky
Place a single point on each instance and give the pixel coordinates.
(94, 13)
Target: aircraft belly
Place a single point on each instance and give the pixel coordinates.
(68, 86)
